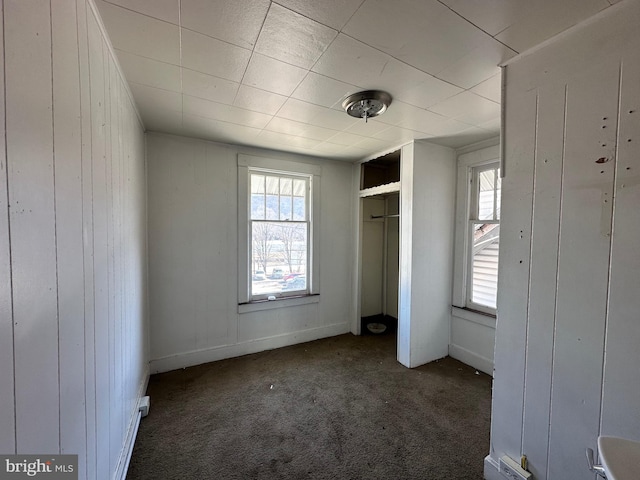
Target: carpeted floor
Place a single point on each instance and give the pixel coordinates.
(338, 408)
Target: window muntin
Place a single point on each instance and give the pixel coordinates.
(484, 233)
(279, 232)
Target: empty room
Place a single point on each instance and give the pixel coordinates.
(359, 239)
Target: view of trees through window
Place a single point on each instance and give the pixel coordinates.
(279, 234)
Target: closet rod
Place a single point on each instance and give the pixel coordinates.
(395, 215)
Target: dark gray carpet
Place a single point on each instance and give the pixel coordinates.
(338, 408)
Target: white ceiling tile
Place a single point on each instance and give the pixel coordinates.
(334, 13)
(372, 144)
(490, 88)
(408, 116)
(222, 112)
(367, 129)
(315, 115)
(208, 55)
(291, 127)
(462, 139)
(159, 120)
(448, 127)
(322, 90)
(149, 98)
(478, 65)
(469, 108)
(492, 125)
(397, 135)
(167, 10)
(259, 100)
(149, 72)
(432, 90)
(273, 75)
(292, 38)
(346, 139)
(205, 86)
(422, 33)
(543, 19)
(140, 34)
(233, 21)
(215, 130)
(285, 139)
(492, 16)
(355, 63)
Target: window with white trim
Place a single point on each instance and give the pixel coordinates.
(279, 227)
(278, 232)
(483, 238)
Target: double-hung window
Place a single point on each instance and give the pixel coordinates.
(278, 243)
(280, 229)
(483, 238)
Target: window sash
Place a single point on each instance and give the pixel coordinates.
(307, 196)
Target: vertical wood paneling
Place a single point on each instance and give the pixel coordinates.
(100, 253)
(69, 246)
(513, 274)
(29, 131)
(87, 236)
(621, 401)
(544, 268)
(583, 268)
(7, 399)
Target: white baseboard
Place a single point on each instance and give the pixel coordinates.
(492, 469)
(132, 432)
(471, 358)
(198, 357)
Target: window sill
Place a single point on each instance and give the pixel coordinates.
(481, 318)
(278, 303)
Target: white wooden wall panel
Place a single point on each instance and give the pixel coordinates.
(621, 399)
(549, 158)
(513, 274)
(7, 399)
(32, 220)
(585, 235)
(69, 245)
(427, 199)
(194, 264)
(72, 273)
(581, 376)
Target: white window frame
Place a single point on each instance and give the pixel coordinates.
(474, 197)
(248, 164)
(485, 158)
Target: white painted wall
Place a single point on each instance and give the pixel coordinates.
(472, 334)
(392, 269)
(193, 257)
(72, 241)
(427, 200)
(567, 356)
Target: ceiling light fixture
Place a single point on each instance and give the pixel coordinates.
(368, 104)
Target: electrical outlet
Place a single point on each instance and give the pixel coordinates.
(509, 468)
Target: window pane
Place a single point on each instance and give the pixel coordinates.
(285, 186)
(285, 208)
(257, 183)
(273, 207)
(257, 206)
(486, 194)
(299, 211)
(273, 185)
(278, 258)
(484, 282)
(299, 188)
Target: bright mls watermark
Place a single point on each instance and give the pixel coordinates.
(51, 467)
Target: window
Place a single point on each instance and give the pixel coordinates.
(484, 238)
(278, 234)
(279, 229)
